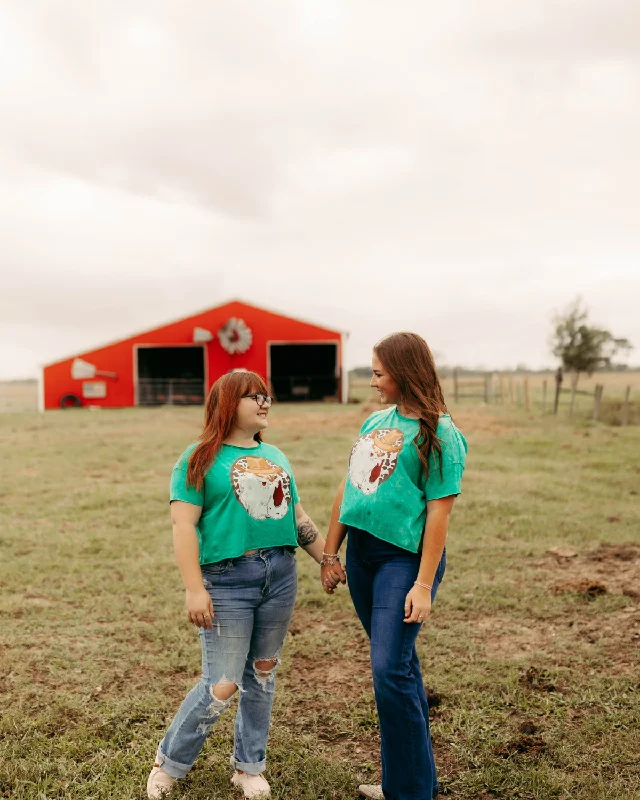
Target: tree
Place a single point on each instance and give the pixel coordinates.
(582, 347)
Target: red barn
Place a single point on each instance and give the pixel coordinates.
(177, 363)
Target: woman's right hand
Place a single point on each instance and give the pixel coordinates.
(331, 576)
(200, 608)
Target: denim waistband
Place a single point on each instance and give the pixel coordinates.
(372, 544)
(261, 552)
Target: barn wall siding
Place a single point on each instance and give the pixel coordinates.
(118, 357)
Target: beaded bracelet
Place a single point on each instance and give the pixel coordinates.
(330, 559)
(424, 585)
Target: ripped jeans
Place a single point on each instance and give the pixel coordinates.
(253, 598)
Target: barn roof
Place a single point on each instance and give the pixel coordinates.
(234, 301)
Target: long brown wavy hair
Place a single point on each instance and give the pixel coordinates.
(408, 360)
(219, 415)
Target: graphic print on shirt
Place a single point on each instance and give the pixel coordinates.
(263, 488)
(374, 457)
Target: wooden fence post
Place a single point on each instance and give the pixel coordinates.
(501, 389)
(556, 400)
(486, 389)
(455, 384)
(526, 394)
(625, 406)
(574, 386)
(597, 397)
(544, 396)
(510, 392)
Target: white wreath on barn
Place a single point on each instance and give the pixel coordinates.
(235, 336)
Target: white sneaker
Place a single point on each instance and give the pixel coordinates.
(159, 784)
(252, 785)
(371, 792)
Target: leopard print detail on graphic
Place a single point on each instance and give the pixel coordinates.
(262, 487)
(374, 457)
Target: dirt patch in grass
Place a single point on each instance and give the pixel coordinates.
(587, 588)
(503, 638)
(616, 553)
(611, 568)
(523, 745)
(618, 632)
(538, 680)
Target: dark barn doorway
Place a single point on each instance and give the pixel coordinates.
(170, 376)
(304, 371)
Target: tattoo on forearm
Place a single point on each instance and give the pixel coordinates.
(307, 533)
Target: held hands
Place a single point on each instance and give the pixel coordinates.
(331, 576)
(200, 608)
(417, 605)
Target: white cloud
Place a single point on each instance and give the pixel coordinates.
(462, 169)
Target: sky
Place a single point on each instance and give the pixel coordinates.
(459, 169)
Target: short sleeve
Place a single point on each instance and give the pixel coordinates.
(448, 483)
(179, 489)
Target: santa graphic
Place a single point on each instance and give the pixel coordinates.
(263, 488)
(374, 457)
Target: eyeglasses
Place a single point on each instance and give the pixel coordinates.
(261, 399)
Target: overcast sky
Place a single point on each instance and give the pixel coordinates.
(460, 169)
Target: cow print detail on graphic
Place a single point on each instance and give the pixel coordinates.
(374, 457)
(262, 487)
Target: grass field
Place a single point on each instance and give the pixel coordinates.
(530, 656)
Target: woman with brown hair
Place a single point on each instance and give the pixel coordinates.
(237, 520)
(404, 473)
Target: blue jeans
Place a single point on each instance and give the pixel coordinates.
(380, 575)
(253, 598)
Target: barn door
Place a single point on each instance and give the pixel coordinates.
(170, 376)
(304, 371)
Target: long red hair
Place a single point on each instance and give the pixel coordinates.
(408, 360)
(219, 415)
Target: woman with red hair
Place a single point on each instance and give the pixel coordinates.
(237, 520)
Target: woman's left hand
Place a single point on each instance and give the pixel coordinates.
(417, 604)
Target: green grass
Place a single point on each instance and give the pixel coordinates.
(96, 653)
